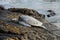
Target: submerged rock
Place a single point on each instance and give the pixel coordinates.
(52, 13)
(2, 7)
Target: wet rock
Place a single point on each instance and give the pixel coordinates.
(25, 33)
(7, 15)
(52, 28)
(8, 27)
(8, 38)
(29, 12)
(2, 7)
(52, 13)
(15, 31)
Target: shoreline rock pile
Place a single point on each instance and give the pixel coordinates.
(10, 29)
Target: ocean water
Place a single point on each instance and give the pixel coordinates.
(40, 5)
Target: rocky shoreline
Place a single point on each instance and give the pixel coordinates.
(12, 30)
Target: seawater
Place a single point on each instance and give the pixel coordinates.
(39, 5)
